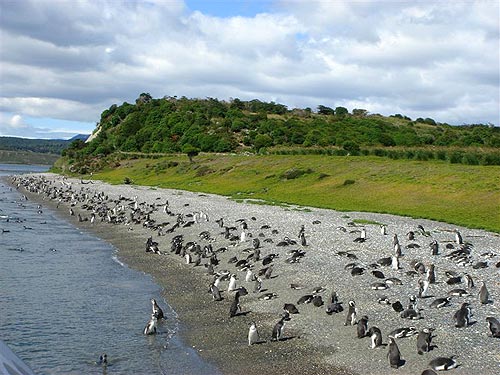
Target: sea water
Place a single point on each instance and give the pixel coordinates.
(65, 299)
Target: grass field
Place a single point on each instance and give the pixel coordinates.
(459, 194)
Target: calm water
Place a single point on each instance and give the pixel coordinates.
(65, 299)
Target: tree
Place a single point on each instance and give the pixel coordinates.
(190, 151)
(359, 112)
(341, 111)
(262, 140)
(323, 110)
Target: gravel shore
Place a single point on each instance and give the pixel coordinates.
(315, 342)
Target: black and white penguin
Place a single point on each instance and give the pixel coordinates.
(278, 330)
(458, 238)
(424, 338)
(350, 319)
(494, 326)
(430, 274)
(375, 337)
(423, 285)
(232, 284)
(157, 311)
(440, 302)
(393, 354)
(383, 230)
(484, 295)
(399, 333)
(443, 363)
(470, 281)
(362, 327)
(395, 262)
(462, 316)
(253, 334)
(150, 328)
(434, 247)
(103, 360)
(290, 308)
(215, 292)
(410, 314)
(235, 305)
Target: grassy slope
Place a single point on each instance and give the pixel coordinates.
(459, 194)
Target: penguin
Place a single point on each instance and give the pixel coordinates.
(255, 243)
(378, 274)
(397, 250)
(434, 247)
(157, 311)
(362, 327)
(150, 328)
(258, 285)
(470, 281)
(235, 306)
(440, 302)
(458, 238)
(403, 332)
(103, 360)
(395, 263)
(215, 292)
(383, 230)
(290, 308)
(484, 295)
(334, 306)
(430, 274)
(397, 306)
(317, 301)
(462, 316)
(423, 285)
(494, 326)
(424, 338)
(249, 277)
(232, 284)
(278, 330)
(253, 334)
(351, 314)
(268, 272)
(443, 363)
(375, 337)
(393, 354)
(410, 314)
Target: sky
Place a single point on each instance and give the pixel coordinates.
(62, 62)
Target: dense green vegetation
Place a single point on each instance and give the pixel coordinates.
(49, 146)
(170, 125)
(459, 194)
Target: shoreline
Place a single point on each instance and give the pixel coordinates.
(312, 349)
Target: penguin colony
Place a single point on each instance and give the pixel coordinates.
(243, 260)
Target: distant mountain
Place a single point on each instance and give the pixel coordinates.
(82, 137)
(45, 146)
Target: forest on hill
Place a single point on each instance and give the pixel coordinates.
(173, 125)
(43, 146)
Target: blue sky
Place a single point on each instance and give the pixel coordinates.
(63, 62)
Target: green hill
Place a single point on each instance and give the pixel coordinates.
(170, 125)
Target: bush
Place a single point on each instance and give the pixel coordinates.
(348, 182)
(295, 173)
(127, 181)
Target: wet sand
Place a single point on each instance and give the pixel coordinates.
(316, 343)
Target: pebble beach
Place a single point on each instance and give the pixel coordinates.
(332, 245)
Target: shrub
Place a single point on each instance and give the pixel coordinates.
(348, 182)
(295, 173)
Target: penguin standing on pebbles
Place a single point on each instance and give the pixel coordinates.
(394, 354)
(351, 314)
(253, 334)
(424, 338)
(278, 330)
(462, 316)
(375, 337)
(484, 295)
(362, 327)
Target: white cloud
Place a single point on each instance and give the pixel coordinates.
(71, 60)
